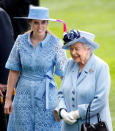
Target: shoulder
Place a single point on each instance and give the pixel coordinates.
(2, 10)
(55, 40)
(99, 62)
(22, 36)
(21, 39)
(70, 64)
(101, 65)
(4, 14)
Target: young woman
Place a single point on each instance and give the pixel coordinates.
(35, 57)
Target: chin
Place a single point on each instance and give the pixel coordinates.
(40, 33)
(76, 60)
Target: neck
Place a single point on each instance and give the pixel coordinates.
(81, 66)
(84, 62)
(35, 39)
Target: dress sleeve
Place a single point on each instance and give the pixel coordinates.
(60, 59)
(13, 62)
(61, 99)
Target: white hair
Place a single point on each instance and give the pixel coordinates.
(88, 46)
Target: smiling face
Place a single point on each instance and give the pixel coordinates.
(80, 53)
(39, 27)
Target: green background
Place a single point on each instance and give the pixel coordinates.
(95, 16)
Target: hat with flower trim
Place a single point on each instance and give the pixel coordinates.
(74, 36)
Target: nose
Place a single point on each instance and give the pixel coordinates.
(40, 24)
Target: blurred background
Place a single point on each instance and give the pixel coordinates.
(95, 16)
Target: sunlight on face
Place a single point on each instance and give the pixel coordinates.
(39, 27)
(79, 52)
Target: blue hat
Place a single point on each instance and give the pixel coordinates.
(39, 13)
(74, 36)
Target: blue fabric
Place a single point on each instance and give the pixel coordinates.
(78, 75)
(76, 94)
(36, 91)
(81, 40)
(39, 13)
(79, 36)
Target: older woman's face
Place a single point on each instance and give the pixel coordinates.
(39, 27)
(79, 52)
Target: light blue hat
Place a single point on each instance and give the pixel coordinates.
(39, 13)
(74, 36)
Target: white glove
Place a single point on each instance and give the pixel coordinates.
(75, 114)
(67, 117)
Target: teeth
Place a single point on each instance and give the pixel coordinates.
(39, 30)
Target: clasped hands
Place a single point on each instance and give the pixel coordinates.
(70, 117)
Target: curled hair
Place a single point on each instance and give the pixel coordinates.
(88, 46)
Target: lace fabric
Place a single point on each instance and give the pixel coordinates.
(29, 112)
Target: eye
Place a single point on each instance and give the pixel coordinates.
(43, 22)
(36, 23)
(71, 48)
(77, 48)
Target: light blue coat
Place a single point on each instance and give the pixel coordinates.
(93, 84)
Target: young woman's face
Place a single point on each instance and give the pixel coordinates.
(79, 52)
(39, 27)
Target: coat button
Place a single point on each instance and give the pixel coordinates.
(73, 99)
(73, 92)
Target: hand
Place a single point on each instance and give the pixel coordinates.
(8, 106)
(67, 117)
(3, 87)
(1, 93)
(57, 117)
(75, 114)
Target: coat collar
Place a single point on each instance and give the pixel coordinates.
(89, 67)
(43, 43)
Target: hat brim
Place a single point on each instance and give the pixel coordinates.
(81, 40)
(34, 18)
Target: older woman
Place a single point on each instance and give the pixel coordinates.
(35, 57)
(86, 79)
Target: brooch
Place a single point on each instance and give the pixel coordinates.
(91, 70)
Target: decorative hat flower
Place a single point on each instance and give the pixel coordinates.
(69, 36)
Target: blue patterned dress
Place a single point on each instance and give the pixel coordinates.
(36, 91)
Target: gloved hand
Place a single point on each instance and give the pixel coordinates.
(67, 117)
(75, 114)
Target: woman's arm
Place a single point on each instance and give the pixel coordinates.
(12, 80)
